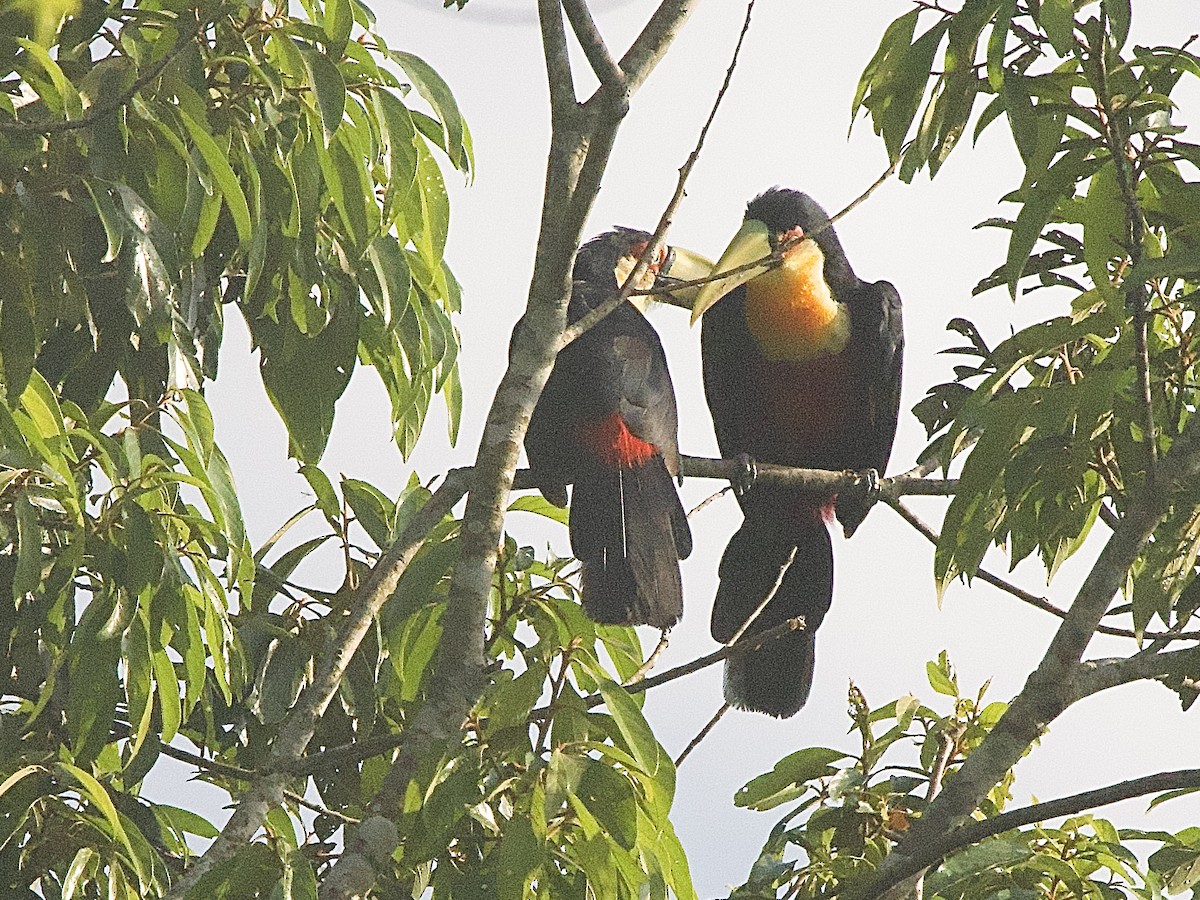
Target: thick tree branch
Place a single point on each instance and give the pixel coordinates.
(558, 60)
(972, 832)
(610, 74)
(1049, 689)
(580, 143)
(1098, 675)
(817, 481)
(651, 45)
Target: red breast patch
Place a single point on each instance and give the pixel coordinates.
(611, 440)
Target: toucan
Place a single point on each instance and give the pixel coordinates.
(606, 423)
(801, 364)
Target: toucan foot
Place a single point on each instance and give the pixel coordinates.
(747, 474)
(852, 506)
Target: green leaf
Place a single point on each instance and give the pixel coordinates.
(222, 172)
(322, 488)
(1056, 185)
(519, 854)
(438, 95)
(788, 779)
(372, 509)
(81, 871)
(185, 821)
(538, 505)
(95, 688)
(339, 19)
(305, 375)
(1057, 17)
(98, 796)
(395, 282)
(894, 43)
(15, 777)
(649, 754)
(1119, 14)
(299, 880)
(982, 857)
(939, 680)
(997, 43)
(328, 88)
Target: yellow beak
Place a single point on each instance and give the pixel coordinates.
(686, 265)
(750, 244)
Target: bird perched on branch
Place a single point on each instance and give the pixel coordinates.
(801, 368)
(606, 422)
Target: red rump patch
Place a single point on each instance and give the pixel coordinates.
(617, 446)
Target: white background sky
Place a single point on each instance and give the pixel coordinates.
(784, 122)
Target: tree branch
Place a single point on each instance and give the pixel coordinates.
(1136, 296)
(573, 331)
(1033, 599)
(651, 45)
(612, 78)
(1098, 675)
(558, 60)
(973, 832)
(267, 790)
(579, 147)
(1048, 691)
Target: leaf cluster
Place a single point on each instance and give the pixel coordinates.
(162, 162)
(1070, 415)
(854, 807)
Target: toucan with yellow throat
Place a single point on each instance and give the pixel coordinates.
(607, 423)
(802, 364)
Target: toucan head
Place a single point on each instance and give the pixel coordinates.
(618, 251)
(777, 221)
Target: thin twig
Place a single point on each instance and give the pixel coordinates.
(1032, 599)
(572, 332)
(711, 498)
(1136, 295)
(695, 742)
(121, 100)
(750, 620)
(651, 660)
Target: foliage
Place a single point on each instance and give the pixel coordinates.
(854, 814)
(197, 156)
(136, 614)
(1057, 412)
(164, 160)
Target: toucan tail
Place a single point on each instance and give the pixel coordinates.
(776, 676)
(629, 531)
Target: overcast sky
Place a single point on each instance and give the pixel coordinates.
(784, 122)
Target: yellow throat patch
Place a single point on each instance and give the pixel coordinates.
(791, 311)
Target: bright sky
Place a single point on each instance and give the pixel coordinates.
(784, 122)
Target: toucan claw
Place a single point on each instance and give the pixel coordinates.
(871, 485)
(747, 474)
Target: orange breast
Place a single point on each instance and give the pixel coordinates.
(791, 312)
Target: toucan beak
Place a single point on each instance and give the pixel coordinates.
(751, 243)
(684, 265)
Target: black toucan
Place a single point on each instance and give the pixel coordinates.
(606, 422)
(801, 368)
